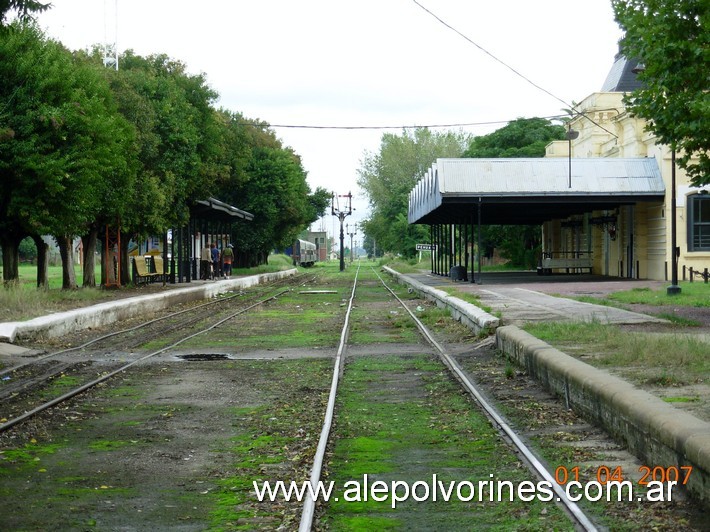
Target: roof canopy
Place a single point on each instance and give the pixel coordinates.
(213, 209)
(530, 191)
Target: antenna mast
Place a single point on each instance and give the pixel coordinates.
(111, 49)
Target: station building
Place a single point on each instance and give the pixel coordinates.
(603, 197)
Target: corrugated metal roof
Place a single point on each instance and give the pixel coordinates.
(548, 176)
(516, 181)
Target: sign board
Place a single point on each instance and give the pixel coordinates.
(426, 247)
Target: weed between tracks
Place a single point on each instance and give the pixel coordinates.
(169, 448)
(403, 418)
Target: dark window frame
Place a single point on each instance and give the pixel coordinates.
(698, 230)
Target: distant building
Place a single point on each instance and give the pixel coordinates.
(320, 239)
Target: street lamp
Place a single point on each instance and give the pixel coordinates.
(346, 211)
(673, 289)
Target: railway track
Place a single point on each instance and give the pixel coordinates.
(575, 513)
(176, 444)
(28, 378)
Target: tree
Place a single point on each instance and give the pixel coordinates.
(62, 141)
(388, 176)
(672, 41)
(24, 9)
(178, 139)
(523, 137)
(269, 181)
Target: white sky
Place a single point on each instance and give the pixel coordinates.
(362, 62)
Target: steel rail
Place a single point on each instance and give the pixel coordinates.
(123, 331)
(309, 504)
(573, 510)
(14, 421)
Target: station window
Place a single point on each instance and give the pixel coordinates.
(699, 222)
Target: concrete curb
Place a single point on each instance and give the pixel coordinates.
(653, 430)
(467, 313)
(110, 312)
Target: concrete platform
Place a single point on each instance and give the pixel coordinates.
(61, 323)
(519, 298)
(653, 430)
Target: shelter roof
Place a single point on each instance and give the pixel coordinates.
(213, 209)
(531, 191)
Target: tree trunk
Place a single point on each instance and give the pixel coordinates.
(125, 262)
(66, 252)
(103, 277)
(89, 242)
(10, 261)
(42, 262)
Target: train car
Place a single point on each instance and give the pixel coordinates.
(304, 253)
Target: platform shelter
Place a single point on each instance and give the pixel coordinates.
(458, 196)
(211, 221)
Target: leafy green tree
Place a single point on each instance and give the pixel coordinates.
(269, 181)
(27, 250)
(174, 153)
(523, 137)
(178, 139)
(23, 8)
(62, 139)
(672, 41)
(388, 176)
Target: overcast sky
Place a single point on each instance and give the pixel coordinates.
(363, 62)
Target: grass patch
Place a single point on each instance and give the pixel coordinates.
(680, 321)
(61, 385)
(23, 301)
(692, 295)
(613, 346)
(108, 445)
(274, 444)
(681, 399)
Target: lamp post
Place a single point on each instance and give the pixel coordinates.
(346, 211)
(673, 289)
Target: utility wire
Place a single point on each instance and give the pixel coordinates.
(303, 126)
(506, 65)
(573, 112)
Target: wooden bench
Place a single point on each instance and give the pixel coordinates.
(571, 263)
(141, 273)
(159, 267)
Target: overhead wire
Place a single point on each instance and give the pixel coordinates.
(492, 56)
(571, 111)
(431, 126)
(571, 106)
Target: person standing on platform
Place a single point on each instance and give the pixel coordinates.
(227, 258)
(215, 261)
(206, 262)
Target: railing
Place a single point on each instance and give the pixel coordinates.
(704, 274)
